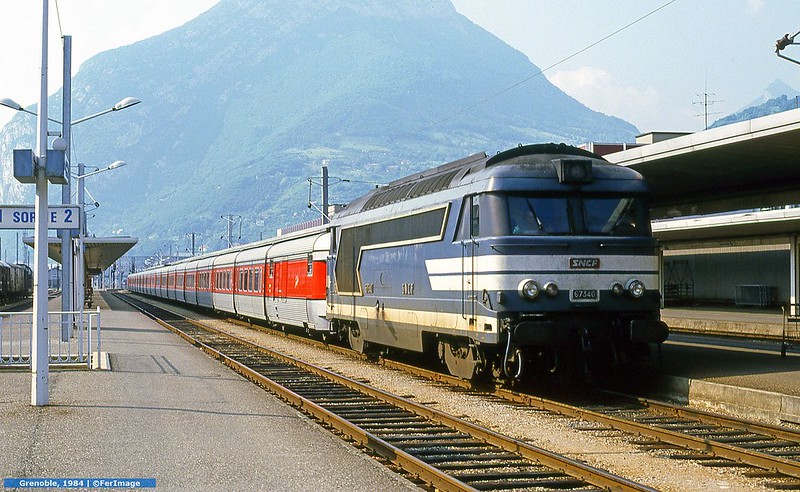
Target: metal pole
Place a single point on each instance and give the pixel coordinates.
(325, 218)
(794, 275)
(66, 234)
(39, 340)
(80, 263)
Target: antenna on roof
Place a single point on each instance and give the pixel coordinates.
(706, 103)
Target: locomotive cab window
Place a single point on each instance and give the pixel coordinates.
(600, 215)
(469, 222)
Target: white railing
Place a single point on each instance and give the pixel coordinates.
(72, 337)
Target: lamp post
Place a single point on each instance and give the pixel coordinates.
(39, 332)
(40, 375)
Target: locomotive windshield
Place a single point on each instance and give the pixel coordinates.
(600, 215)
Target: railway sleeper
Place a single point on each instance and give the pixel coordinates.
(399, 438)
(412, 424)
(500, 458)
(452, 468)
(726, 464)
(470, 477)
(386, 420)
(454, 443)
(783, 485)
(390, 414)
(770, 444)
(784, 454)
(341, 400)
(378, 429)
(740, 440)
(514, 483)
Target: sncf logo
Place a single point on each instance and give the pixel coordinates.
(584, 263)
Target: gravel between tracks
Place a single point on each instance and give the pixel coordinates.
(607, 450)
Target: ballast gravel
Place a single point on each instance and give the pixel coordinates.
(605, 449)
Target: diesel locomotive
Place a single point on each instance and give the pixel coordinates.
(536, 260)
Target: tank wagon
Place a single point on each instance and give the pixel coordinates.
(536, 260)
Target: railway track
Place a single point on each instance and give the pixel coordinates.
(443, 451)
(712, 439)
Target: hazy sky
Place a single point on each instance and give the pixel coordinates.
(652, 74)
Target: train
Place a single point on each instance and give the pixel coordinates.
(16, 281)
(537, 261)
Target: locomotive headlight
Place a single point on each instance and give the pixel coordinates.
(551, 289)
(528, 289)
(617, 289)
(635, 288)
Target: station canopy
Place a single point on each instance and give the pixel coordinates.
(100, 252)
(747, 165)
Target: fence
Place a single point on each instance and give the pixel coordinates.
(71, 337)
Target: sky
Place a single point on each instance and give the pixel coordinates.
(654, 73)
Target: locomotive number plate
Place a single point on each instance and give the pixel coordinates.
(584, 295)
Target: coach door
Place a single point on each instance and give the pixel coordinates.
(469, 230)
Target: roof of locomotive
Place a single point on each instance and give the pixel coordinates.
(524, 161)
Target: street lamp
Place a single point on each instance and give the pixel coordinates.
(113, 165)
(10, 103)
(122, 104)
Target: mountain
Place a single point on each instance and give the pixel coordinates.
(242, 105)
(776, 98)
(774, 90)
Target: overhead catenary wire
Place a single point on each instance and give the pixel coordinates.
(550, 67)
(58, 16)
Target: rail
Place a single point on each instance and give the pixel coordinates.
(72, 336)
(445, 451)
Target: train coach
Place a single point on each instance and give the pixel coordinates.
(16, 281)
(538, 260)
(280, 280)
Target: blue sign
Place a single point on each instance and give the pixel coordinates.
(79, 483)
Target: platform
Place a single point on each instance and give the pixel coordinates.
(756, 322)
(168, 411)
(741, 371)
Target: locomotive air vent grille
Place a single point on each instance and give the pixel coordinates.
(410, 190)
(432, 185)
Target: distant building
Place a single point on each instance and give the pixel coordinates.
(643, 139)
(607, 148)
(655, 137)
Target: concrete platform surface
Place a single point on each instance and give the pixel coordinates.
(745, 377)
(169, 412)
